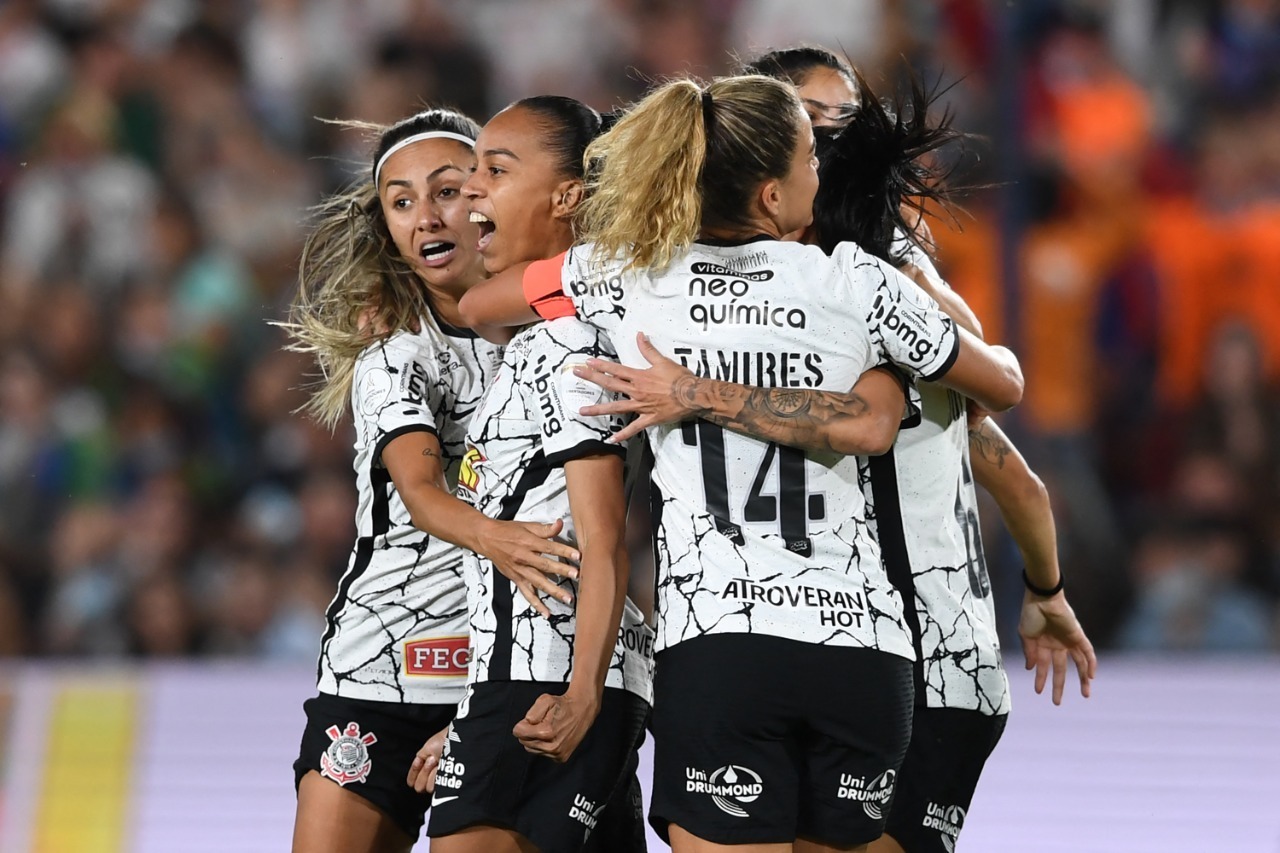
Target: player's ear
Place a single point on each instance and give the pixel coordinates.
(566, 198)
(769, 197)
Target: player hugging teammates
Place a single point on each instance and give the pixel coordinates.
(728, 289)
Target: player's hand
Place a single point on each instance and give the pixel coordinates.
(1050, 634)
(555, 725)
(422, 772)
(976, 414)
(653, 394)
(520, 549)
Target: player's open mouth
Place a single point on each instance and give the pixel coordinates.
(486, 230)
(436, 253)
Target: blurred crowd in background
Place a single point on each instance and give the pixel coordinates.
(158, 497)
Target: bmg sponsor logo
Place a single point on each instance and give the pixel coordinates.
(610, 287)
(437, 656)
(731, 787)
(903, 325)
(874, 795)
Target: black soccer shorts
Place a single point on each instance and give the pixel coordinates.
(762, 739)
(367, 748)
(487, 778)
(948, 750)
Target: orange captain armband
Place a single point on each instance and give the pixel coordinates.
(542, 289)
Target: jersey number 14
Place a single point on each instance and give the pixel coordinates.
(792, 508)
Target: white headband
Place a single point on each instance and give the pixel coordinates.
(419, 137)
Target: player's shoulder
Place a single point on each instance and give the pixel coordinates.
(557, 339)
(404, 345)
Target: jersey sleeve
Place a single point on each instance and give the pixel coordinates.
(905, 324)
(912, 411)
(390, 392)
(559, 394)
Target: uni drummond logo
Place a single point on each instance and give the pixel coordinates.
(948, 820)
(874, 795)
(731, 787)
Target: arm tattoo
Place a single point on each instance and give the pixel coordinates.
(796, 417)
(427, 451)
(685, 393)
(785, 402)
(990, 446)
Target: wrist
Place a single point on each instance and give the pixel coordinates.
(688, 392)
(480, 534)
(584, 694)
(1040, 591)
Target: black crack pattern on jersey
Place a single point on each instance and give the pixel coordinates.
(412, 586)
(521, 421)
(746, 579)
(959, 664)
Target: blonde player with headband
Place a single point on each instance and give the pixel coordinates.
(380, 281)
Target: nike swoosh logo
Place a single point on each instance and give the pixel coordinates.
(436, 801)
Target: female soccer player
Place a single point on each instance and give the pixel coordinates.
(575, 687)
(380, 281)
(924, 519)
(768, 578)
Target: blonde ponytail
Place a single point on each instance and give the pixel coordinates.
(644, 202)
(686, 158)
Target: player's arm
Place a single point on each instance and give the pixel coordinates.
(1049, 629)
(555, 725)
(989, 375)
(518, 549)
(501, 301)
(861, 422)
(951, 303)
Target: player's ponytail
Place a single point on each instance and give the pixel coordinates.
(687, 158)
(643, 201)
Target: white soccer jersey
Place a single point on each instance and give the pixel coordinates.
(752, 537)
(921, 502)
(526, 429)
(397, 629)
(921, 497)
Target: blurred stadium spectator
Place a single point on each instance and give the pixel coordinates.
(159, 498)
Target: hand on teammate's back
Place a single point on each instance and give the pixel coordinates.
(1050, 634)
(651, 394)
(523, 552)
(555, 725)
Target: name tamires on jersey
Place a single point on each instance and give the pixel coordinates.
(397, 629)
(525, 430)
(752, 536)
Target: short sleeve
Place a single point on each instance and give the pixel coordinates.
(559, 393)
(390, 392)
(905, 324)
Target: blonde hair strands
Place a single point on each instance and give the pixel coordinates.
(660, 180)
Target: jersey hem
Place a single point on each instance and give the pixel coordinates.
(947, 363)
(387, 438)
(588, 447)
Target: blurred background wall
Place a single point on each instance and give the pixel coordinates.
(158, 499)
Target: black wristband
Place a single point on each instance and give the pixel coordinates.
(1040, 591)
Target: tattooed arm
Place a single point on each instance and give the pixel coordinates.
(861, 422)
(1049, 629)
